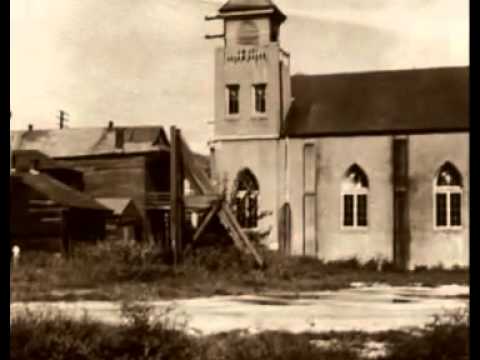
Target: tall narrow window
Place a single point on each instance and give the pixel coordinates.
(259, 93)
(348, 209)
(355, 198)
(233, 94)
(448, 197)
(245, 199)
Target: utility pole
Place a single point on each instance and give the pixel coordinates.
(62, 117)
(177, 211)
(10, 141)
(174, 221)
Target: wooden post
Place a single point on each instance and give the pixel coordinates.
(173, 195)
(180, 177)
(65, 233)
(176, 194)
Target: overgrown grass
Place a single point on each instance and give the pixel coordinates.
(144, 336)
(115, 271)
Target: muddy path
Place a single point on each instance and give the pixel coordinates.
(373, 308)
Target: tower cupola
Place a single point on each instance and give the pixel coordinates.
(253, 7)
(252, 77)
(247, 13)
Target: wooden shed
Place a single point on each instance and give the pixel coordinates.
(46, 214)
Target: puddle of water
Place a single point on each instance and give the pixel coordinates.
(391, 308)
(402, 301)
(259, 301)
(298, 296)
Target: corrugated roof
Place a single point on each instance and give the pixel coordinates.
(64, 143)
(58, 192)
(423, 100)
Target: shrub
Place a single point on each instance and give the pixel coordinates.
(54, 336)
(269, 345)
(150, 336)
(446, 337)
(218, 259)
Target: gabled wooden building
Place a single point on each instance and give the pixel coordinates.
(117, 163)
(46, 214)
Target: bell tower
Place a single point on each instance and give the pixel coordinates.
(252, 96)
(252, 72)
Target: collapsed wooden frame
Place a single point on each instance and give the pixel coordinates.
(182, 165)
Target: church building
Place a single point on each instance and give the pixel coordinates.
(372, 165)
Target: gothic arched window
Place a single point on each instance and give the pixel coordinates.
(245, 199)
(355, 198)
(448, 190)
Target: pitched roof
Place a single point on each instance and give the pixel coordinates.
(251, 5)
(239, 5)
(74, 142)
(405, 101)
(58, 192)
(25, 157)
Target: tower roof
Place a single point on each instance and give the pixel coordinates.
(251, 5)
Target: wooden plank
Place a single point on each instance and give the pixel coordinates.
(233, 233)
(196, 176)
(201, 202)
(41, 202)
(243, 238)
(57, 219)
(206, 220)
(45, 210)
(157, 207)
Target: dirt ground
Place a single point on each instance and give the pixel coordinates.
(365, 308)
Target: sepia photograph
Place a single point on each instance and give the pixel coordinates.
(239, 179)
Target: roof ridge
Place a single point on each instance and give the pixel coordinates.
(251, 5)
(74, 192)
(89, 128)
(359, 72)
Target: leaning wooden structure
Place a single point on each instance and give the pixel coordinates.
(206, 199)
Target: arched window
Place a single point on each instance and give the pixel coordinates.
(448, 197)
(245, 199)
(355, 198)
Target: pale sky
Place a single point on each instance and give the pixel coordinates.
(146, 62)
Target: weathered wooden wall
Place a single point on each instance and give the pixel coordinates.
(126, 176)
(35, 228)
(114, 176)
